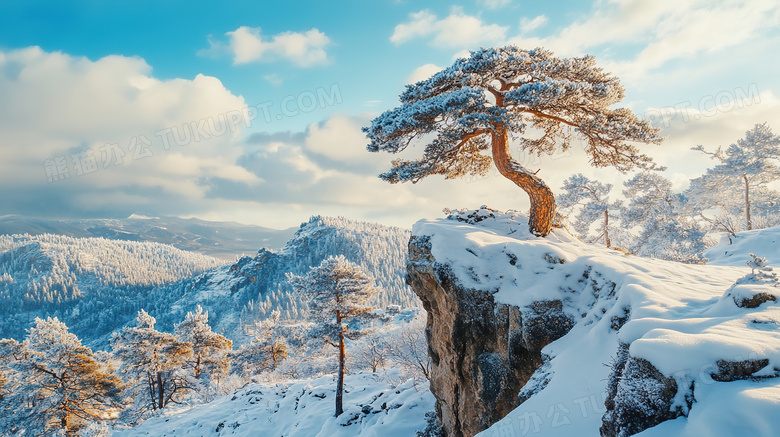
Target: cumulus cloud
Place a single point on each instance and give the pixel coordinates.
(665, 29)
(106, 135)
(341, 140)
(457, 30)
(529, 25)
(423, 72)
(247, 44)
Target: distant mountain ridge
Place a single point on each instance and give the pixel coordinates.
(224, 240)
(77, 279)
(253, 287)
(97, 285)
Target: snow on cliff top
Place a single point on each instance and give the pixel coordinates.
(683, 319)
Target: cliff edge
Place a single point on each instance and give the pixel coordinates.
(556, 337)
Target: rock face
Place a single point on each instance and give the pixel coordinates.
(482, 352)
(639, 397)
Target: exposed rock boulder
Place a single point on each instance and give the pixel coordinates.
(754, 301)
(639, 397)
(736, 370)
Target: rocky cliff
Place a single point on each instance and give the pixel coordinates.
(482, 352)
(558, 338)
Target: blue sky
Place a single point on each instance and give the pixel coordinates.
(94, 93)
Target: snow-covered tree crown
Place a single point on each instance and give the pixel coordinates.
(336, 285)
(591, 199)
(755, 156)
(512, 90)
(740, 182)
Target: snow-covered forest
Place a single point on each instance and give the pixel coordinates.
(97, 285)
(106, 293)
(648, 218)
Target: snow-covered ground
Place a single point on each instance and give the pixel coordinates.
(683, 319)
(734, 251)
(372, 408)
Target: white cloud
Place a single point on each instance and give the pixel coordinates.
(339, 138)
(527, 25)
(666, 29)
(421, 24)
(57, 106)
(495, 4)
(423, 72)
(717, 120)
(273, 79)
(456, 30)
(247, 44)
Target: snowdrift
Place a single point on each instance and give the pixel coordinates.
(733, 251)
(372, 408)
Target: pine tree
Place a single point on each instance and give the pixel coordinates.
(154, 362)
(592, 199)
(210, 350)
(60, 385)
(267, 348)
(745, 170)
(339, 292)
(478, 103)
(666, 228)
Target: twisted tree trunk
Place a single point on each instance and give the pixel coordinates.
(543, 205)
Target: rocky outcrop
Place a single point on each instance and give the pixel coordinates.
(640, 397)
(753, 301)
(482, 352)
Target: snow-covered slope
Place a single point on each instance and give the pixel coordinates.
(90, 283)
(372, 408)
(733, 251)
(693, 323)
(96, 285)
(253, 287)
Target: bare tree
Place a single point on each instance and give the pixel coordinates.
(371, 352)
(409, 348)
(592, 199)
